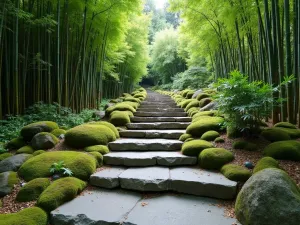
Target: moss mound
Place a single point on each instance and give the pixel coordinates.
(59, 192)
(202, 96)
(264, 163)
(7, 181)
(98, 156)
(103, 149)
(32, 190)
(38, 152)
(29, 216)
(293, 133)
(192, 104)
(190, 94)
(275, 134)
(214, 158)
(25, 149)
(81, 164)
(5, 155)
(194, 147)
(210, 135)
(233, 132)
(135, 105)
(119, 118)
(219, 140)
(244, 145)
(123, 106)
(89, 134)
(58, 132)
(110, 126)
(32, 129)
(205, 101)
(189, 139)
(205, 113)
(183, 137)
(285, 125)
(16, 143)
(235, 172)
(288, 150)
(184, 103)
(204, 124)
(132, 99)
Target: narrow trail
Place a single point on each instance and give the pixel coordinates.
(144, 161)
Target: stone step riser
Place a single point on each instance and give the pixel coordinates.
(160, 114)
(158, 126)
(166, 134)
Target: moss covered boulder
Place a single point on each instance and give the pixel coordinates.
(7, 182)
(59, 192)
(110, 126)
(275, 134)
(5, 155)
(14, 162)
(38, 152)
(202, 96)
(15, 143)
(98, 157)
(184, 103)
(29, 216)
(132, 99)
(58, 132)
(289, 150)
(89, 134)
(103, 149)
(204, 124)
(123, 106)
(205, 113)
(194, 147)
(210, 135)
(81, 164)
(119, 118)
(265, 163)
(219, 140)
(193, 103)
(32, 129)
(205, 101)
(285, 125)
(235, 172)
(32, 190)
(245, 145)
(44, 141)
(183, 137)
(269, 197)
(214, 158)
(293, 133)
(25, 149)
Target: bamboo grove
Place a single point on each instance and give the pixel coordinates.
(258, 37)
(73, 52)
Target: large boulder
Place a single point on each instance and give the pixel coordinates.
(44, 140)
(7, 182)
(14, 162)
(269, 197)
(32, 129)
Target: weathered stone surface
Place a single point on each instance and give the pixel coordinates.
(269, 197)
(6, 185)
(160, 114)
(197, 93)
(99, 114)
(167, 134)
(99, 206)
(107, 177)
(42, 141)
(158, 125)
(145, 179)
(210, 106)
(174, 159)
(156, 109)
(132, 144)
(161, 119)
(203, 183)
(13, 163)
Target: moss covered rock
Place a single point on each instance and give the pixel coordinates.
(293, 133)
(7, 181)
(275, 134)
(207, 123)
(264, 163)
(184, 92)
(89, 134)
(58, 132)
(285, 125)
(202, 96)
(32, 190)
(123, 106)
(214, 158)
(38, 152)
(235, 172)
(103, 149)
(110, 126)
(289, 150)
(219, 140)
(81, 164)
(245, 145)
(59, 192)
(5, 155)
(205, 101)
(29, 216)
(135, 105)
(119, 118)
(233, 132)
(25, 149)
(183, 137)
(132, 99)
(194, 147)
(98, 156)
(192, 104)
(44, 140)
(32, 129)
(15, 143)
(205, 113)
(210, 135)
(190, 94)
(14, 162)
(184, 103)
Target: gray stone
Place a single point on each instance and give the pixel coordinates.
(197, 93)
(210, 106)
(43, 141)
(132, 144)
(6, 186)
(161, 119)
(161, 114)
(201, 182)
(158, 125)
(108, 105)
(14, 162)
(99, 206)
(99, 114)
(174, 159)
(178, 210)
(107, 177)
(168, 134)
(269, 197)
(145, 179)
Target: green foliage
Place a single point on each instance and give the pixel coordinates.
(235, 172)
(119, 118)
(265, 163)
(288, 150)
(214, 158)
(194, 147)
(59, 168)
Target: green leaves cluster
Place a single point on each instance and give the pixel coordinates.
(60, 169)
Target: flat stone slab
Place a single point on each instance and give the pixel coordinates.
(158, 125)
(136, 159)
(167, 134)
(134, 144)
(201, 182)
(160, 114)
(108, 177)
(161, 119)
(145, 179)
(156, 109)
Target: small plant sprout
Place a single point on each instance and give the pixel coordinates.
(60, 169)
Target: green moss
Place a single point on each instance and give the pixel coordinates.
(38, 152)
(205, 113)
(193, 103)
(233, 132)
(275, 134)
(219, 140)
(123, 106)
(193, 111)
(26, 149)
(235, 172)
(98, 156)
(44, 140)
(59, 192)
(135, 105)
(12, 179)
(183, 137)
(132, 99)
(202, 96)
(194, 147)
(15, 143)
(119, 118)
(32, 190)
(203, 102)
(81, 164)
(5, 155)
(189, 139)
(190, 94)
(210, 135)
(293, 133)
(184, 103)
(204, 124)
(29, 216)
(285, 125)
(244, 145)
(184, 93)
(103, 149)
(214, 158)
(89, 134)
(32, 129)
(289, 150)
(110, 126)
(264, 163)
(126, 95)
(58, 132)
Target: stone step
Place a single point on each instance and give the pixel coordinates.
(166, 134)
(152, 107)
(160, 110)
(188, 180)
(136, 159)
(160, 114)
(158, 104)
(158, 125)
(161, 119)
(131, 208)
(134, 144)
